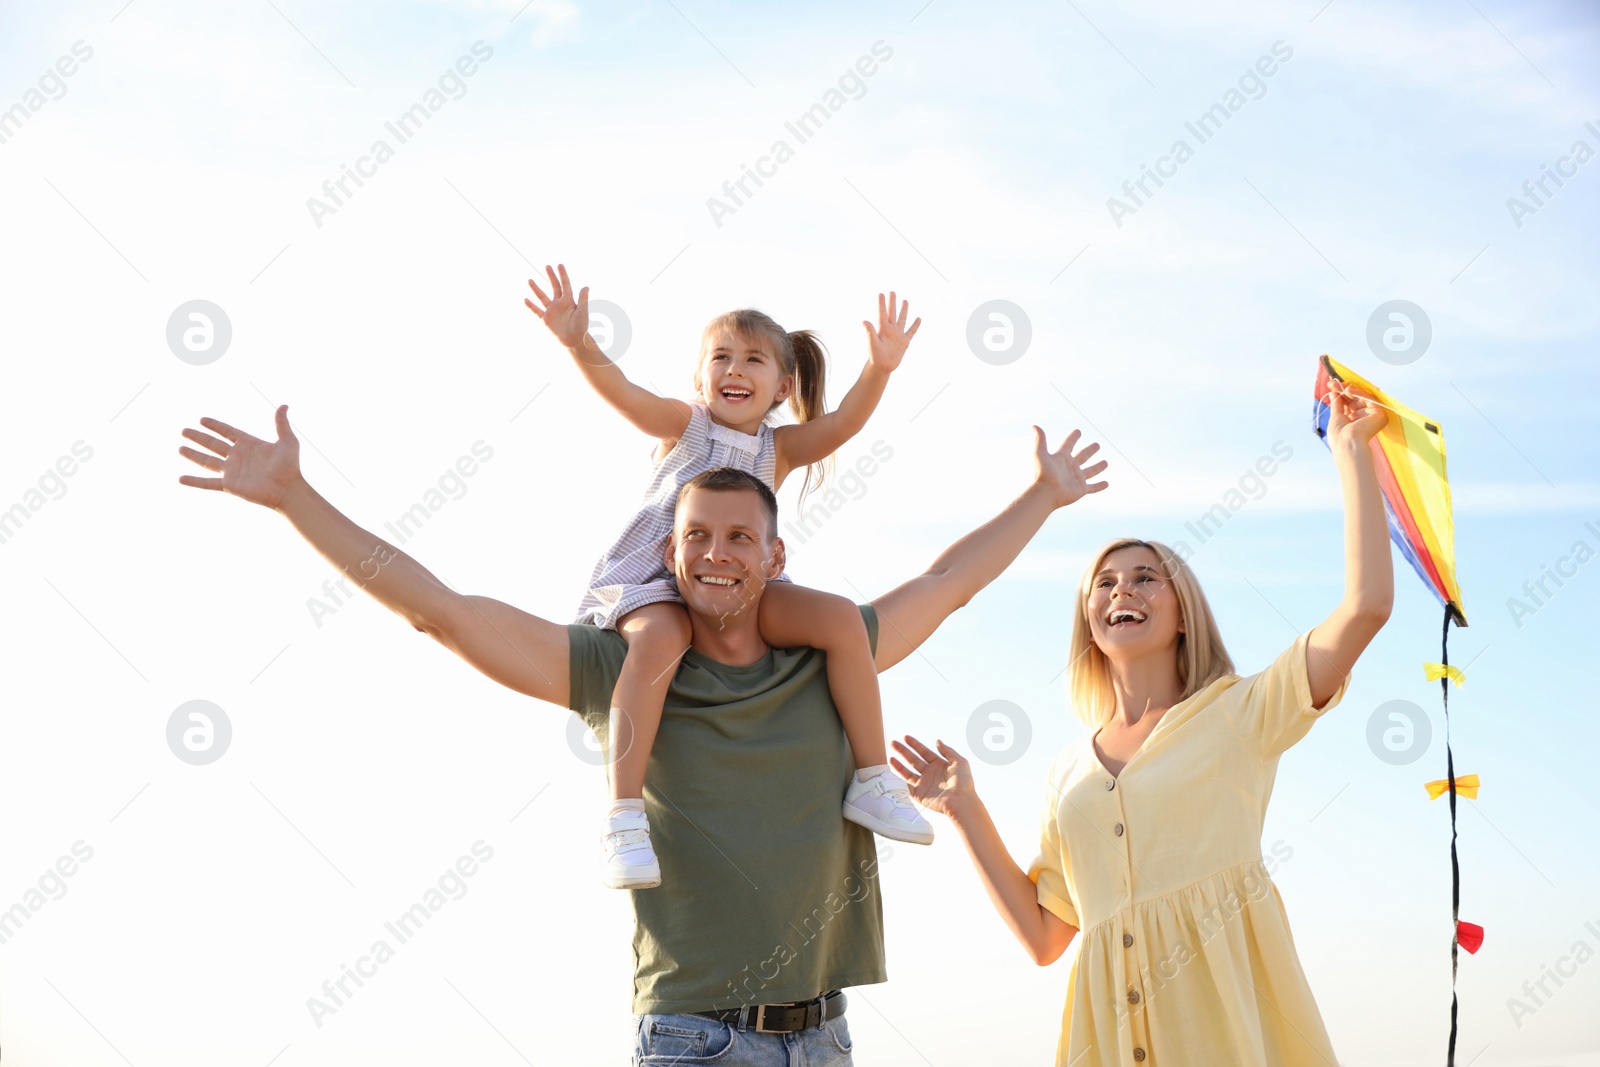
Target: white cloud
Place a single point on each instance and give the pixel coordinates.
(554, 21)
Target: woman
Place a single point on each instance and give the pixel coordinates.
(1151, 842)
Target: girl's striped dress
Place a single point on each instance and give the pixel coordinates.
(631, 573)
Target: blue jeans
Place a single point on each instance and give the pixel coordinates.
(684, 1040)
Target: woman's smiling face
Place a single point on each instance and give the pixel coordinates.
(1133, 608)
(740, 378)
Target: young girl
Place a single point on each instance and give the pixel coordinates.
(748, 366)
(1151, 836)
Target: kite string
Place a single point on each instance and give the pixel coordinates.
(1455, 866)
(1326, 398)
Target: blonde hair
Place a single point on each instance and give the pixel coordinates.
(1202, 659)
(799, 353)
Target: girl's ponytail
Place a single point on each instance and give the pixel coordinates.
(810, 376)
(809, 399)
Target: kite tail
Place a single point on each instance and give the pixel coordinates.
(1455, 865)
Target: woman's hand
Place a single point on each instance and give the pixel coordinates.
(887, 344)
(1353, 416)
(567, 319)
(1064, 473)
(940, 781)
(256, 470)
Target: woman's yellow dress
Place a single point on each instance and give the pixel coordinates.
(1186, 957)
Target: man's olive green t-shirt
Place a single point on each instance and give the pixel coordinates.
(767, 893)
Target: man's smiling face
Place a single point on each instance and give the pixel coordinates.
(722, 551)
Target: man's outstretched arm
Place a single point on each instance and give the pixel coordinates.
(516, 649)
(908, 614)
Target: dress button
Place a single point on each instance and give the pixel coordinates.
(1127, 940)
(1118, 829)
(1111, 783)
(1138, 1054)
(1133, 996)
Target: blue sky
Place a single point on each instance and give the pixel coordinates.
(974, 164)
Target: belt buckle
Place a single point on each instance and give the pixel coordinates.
(761, 1019)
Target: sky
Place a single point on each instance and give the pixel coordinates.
(155, 154)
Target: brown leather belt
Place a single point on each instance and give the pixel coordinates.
(783, 1018)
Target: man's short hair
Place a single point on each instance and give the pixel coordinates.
(731, 479)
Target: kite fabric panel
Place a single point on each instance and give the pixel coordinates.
(1410, 460)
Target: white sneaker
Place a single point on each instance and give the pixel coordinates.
(883, 805)
(628, 861)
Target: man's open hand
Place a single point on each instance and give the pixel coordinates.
(259, 471)
(1063, 472)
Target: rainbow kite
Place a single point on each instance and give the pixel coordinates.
(1408, 454)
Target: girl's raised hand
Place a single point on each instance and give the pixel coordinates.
(256, 470)
(887, 344)
(1352, 414)
(567, 318)
(1063, 472)
(940, 781)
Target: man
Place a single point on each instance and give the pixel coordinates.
(772, 903)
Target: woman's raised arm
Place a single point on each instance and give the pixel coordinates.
(1338, 641)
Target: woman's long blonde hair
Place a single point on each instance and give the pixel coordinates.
(1201, 657)
(799, 353)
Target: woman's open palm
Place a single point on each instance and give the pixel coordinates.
(939, 780)
(259, 471)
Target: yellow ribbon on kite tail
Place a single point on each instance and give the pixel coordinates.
(1435, 671)
(1466, 786)
(1409, 456)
